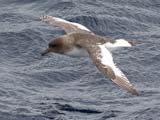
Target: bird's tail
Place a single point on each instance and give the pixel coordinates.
(119, 43)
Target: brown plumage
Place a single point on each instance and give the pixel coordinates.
(80, 39)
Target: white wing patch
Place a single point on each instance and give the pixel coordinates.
(107, 59)
(47, 17)
(106, 56)
(80, 26)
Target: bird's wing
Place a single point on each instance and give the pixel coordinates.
(67, 26)
(103, 60)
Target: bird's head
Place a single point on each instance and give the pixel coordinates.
(55, 46)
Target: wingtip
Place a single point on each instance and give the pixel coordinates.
(45, 18)
(133, 43)
(135, 92)
(125, 85)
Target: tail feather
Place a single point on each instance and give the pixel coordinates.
(119, 43)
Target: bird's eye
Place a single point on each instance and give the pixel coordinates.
(52, 45)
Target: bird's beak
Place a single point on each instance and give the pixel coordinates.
(45, 52)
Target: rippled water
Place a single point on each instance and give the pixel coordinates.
(64, 88)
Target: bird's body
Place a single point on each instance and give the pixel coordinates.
(77, 52)
(80, 41)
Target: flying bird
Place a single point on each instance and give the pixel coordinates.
(80, 41)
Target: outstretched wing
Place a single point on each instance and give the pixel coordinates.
(103, 59)
(67, 26)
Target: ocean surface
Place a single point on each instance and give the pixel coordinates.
(57, 87)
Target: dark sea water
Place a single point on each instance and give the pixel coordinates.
(57, 87)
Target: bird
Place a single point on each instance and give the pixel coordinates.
(80, 41)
